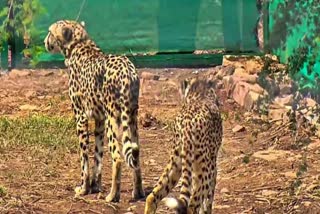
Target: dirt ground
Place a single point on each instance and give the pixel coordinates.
(260, 168)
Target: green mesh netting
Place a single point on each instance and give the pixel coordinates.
(143, 26)
(295, 37)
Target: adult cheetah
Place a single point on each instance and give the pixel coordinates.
(106, 89)
(197, 139)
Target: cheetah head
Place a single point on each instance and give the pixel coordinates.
(198, 87)
(63, 34)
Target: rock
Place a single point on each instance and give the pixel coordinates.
(224, 190)
(238, 128)
(285, 89)
(224, 71)
(240, 72)
(28, 107)
(268, 192)
(239, 92)
(246, 95)
(251, 99)
(307, 203)
(229, 82)
(30, 94)
(46, 73)
(219, 207)
(219, 85)
(251, 64)
(258, 89)
(310, 102)
(149, 76)
(163, 79)
(147, 120)
(290, 174)
(270, 86)
(254, 65)
(271, 155)
(131, 209)
(14, 73)
(278, 114)
(47, 108)
(312, 187)
(284, 101)
(271, 57)
(314, 145)
(249, 78)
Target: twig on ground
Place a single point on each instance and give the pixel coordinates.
(259, 189)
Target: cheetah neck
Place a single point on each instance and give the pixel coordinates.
(85, 45)
(81, 50)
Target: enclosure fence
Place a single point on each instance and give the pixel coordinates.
(168, 33)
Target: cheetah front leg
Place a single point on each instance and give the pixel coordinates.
(112, 135)
(98, 155)
(167, 181)
(83, 134)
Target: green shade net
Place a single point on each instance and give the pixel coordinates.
(144, 26)
(295, 36)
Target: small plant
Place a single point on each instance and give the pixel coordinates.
(246, 159)
(296, 184)
(18, 19)
(303, 64)
(3, 191)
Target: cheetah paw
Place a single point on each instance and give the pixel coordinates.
(80, 191)
(112, 198)
(138, 194)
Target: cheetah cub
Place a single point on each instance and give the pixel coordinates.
(197, 139)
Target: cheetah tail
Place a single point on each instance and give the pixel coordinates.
(131, 154)
(175, 204)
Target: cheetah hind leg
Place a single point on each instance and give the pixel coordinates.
(113, 128)
(95, 186)
(82, 130)
(165, 184)
(209, 201)
(138, 192)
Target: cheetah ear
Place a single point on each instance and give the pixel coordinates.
(184, 87)
(211, 83)
(67, 34)
(82, 23)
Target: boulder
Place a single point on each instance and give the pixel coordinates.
(310, 102)
(284, 100)
(230, 82)
(240, 72)
(222, 71)
(278, 114)
(285, 89)
(251, 64)
(247, 95)
(251, 100)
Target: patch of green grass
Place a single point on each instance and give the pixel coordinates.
(38, 130)
(3, 191)
(246, 159)
(224, 116)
